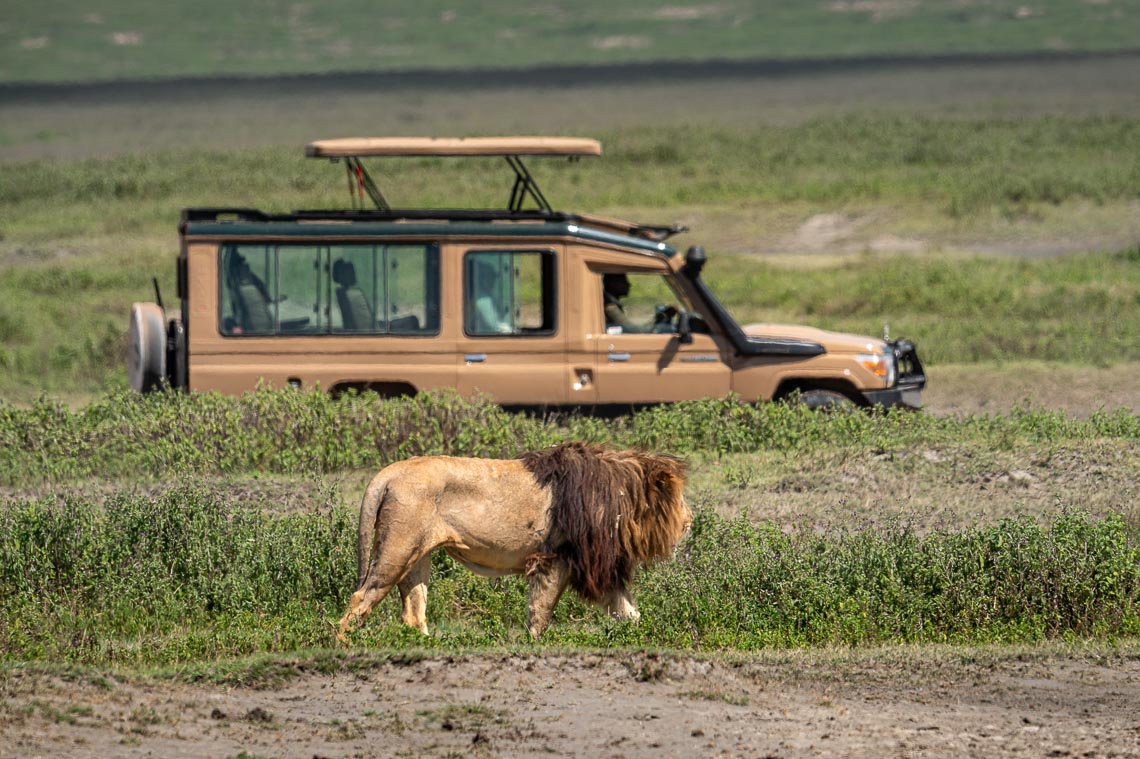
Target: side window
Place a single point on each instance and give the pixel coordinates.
(638, 302)
(509, 293)
(385, 289)
(411, 302)
(249, 284)
(356, 283)
(302, 290)
(317, 289)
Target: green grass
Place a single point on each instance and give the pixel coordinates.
(961, 166)
(182, 578)
(304, 434)
(81, 240)
(74, 41)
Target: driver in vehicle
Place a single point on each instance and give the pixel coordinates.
(615, 287)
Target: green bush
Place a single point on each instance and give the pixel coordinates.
(294, 433)
(180, 577)
(168, 578)
(741, 586)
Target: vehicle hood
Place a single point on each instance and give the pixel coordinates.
(834, 342)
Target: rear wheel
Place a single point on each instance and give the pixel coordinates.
(146, 347)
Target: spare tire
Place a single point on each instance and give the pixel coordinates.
(146, 347)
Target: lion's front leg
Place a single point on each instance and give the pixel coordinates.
(547, 577)
(621, 606)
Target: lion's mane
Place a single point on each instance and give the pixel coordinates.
(610, 511)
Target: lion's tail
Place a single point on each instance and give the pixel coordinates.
(369, 511)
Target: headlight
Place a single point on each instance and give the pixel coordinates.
(880, 364)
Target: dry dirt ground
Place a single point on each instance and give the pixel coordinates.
(887, 703)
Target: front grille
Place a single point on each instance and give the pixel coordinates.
(910, 368)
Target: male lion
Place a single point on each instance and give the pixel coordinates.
(573, 514)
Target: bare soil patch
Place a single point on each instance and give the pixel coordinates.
(988, 389)
(954, 703)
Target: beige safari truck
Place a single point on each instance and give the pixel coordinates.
(524, 304)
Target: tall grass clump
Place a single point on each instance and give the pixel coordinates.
(182, 576)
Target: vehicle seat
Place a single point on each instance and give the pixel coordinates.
(354, 309)
(252, 304)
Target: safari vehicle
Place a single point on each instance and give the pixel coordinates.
(523, 304)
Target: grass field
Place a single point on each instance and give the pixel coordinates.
(1013, 528)
(901, 198)
(70, 41)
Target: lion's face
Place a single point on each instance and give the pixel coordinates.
(687, 524)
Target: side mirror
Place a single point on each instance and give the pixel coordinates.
(695, 259)
(684, 333)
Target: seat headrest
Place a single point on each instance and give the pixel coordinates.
(344, 273)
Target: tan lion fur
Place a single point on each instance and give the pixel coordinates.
(574, 514)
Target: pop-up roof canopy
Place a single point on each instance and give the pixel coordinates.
(352, 149)
(362, 147)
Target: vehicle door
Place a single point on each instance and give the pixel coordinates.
(512, 347)
(641, 358)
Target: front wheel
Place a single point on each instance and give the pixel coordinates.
(830, 400)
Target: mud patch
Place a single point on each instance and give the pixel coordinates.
(632, 704)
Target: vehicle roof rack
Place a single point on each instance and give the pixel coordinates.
(657, 233)
(212, 214)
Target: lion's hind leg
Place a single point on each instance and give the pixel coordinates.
(413, 593)
(383, 575)
(361, 603)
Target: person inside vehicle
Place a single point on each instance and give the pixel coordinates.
(251, 299)
(615, 286)
(488, 318)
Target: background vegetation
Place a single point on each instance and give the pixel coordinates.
(70, 276)
(69, 41)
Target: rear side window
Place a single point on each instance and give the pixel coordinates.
(322, 289)
(508, 293)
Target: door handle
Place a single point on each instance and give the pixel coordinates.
(619, 356)
(474, 358)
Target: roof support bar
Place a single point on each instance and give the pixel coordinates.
(525, 185)
(360, 182)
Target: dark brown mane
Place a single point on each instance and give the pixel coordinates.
(611, 510)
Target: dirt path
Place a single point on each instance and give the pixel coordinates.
(632, 705)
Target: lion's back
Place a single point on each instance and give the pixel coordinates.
(484, 500)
